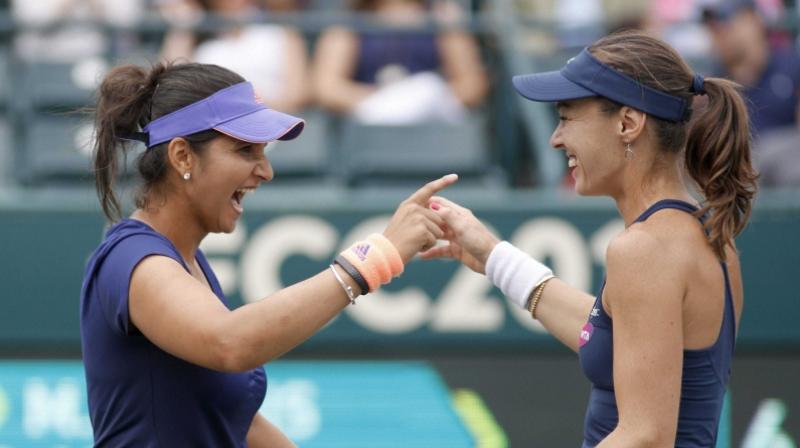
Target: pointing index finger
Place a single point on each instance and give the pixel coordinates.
(422, 195)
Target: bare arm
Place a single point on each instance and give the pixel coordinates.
(644, 291)
(183, 317)
(334, 64)
(462, 67)
(296, 88)
(178, 46)
(263, 434)
(180, 40)
(562, 309)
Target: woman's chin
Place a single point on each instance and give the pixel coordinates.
(585, 190)
(226, 224)
(228, 227)
(580, 188)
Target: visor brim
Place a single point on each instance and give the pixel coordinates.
(549, 87)
(263, 126)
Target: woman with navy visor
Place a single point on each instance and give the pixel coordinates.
(167, 363)
(656, 343)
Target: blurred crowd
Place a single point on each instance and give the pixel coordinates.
(400, 62)
(399, 71)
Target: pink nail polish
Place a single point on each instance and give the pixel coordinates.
(434, 205)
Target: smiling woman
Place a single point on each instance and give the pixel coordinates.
(167, 362)
(657, 340)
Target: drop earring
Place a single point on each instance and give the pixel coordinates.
(187, 175)
(628, 151)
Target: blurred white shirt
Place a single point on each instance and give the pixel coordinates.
(257, 52)
(70, 41)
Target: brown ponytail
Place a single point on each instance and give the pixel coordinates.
(121, 101)
(718, 159)
(716, 139)
(130, 97)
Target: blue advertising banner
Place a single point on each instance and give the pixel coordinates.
(321, 404)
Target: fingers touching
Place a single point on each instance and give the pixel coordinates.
(443, 251)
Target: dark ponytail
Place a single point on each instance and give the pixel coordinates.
(122, 98)
(716, 140)
(128, 99)
(718, 159)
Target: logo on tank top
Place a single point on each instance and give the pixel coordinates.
(586, 334)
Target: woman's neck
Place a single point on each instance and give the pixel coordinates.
(177, 225)
(641, 192)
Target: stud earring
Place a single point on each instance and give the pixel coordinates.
(628, 151)
(187, 175)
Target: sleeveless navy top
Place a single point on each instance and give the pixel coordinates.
(140, 395)
(705, 372)
(416, 52)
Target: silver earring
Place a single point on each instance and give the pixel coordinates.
(628, 151)
(187, 175)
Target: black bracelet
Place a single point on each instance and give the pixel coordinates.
(353, 272)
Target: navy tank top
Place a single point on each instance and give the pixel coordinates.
(414, 52)
(139, 395)
(705, 372)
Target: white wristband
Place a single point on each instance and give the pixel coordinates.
(515, 272)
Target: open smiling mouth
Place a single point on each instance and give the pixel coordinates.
(572, 162)
(238, 196)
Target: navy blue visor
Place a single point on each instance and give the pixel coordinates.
(584, 76)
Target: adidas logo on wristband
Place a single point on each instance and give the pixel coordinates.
(361, 251)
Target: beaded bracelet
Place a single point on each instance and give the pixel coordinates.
(537, 295)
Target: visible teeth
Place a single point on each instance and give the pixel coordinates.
(572, 162)
(244, 191)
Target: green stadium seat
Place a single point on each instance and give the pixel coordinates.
(61, 86)
(57, 148)
(553, 61)
(54, 140)
(6, 152)
(307, 156)
(388, 154)
(5, 79)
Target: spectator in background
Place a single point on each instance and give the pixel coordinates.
(401, 74)
(678, 22)
(76, 37)
(770, 75)
(273, 57)
(567, 24)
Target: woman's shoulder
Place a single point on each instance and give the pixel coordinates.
(133, 235)
(665, 238)
(130, 227)
(642, 271)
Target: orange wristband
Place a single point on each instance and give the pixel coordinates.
(376, 259)
(390, 253)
